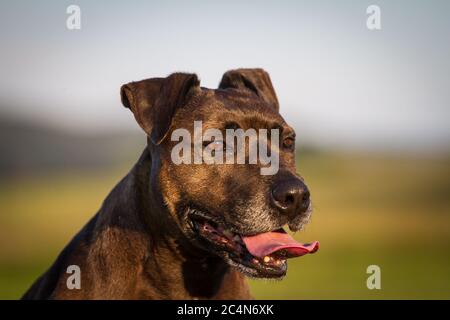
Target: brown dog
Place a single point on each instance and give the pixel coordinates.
(189, 231)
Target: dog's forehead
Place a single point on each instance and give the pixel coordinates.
(238, 99)
(218, 106)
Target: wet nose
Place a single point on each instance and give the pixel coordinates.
(291, 197)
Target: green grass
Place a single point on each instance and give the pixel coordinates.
(340, 272)
(369, 209)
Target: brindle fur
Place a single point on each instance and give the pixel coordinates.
(139, 244)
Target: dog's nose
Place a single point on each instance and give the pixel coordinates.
(291, 197)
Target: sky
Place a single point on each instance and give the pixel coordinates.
(339, 84)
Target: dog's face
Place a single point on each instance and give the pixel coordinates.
(230, 210)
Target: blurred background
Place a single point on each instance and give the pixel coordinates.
(371, 109)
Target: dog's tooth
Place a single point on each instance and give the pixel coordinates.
(254, 260)
(266, 259)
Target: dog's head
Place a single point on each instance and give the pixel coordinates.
(228, 209)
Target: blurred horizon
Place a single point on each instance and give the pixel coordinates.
(41, 148)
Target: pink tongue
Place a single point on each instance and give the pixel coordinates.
(267, 243)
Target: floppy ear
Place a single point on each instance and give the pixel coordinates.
(255, 80)
(154, 101)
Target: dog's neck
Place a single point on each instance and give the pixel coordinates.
(173, 268)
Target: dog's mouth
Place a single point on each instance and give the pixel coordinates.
(262, 255)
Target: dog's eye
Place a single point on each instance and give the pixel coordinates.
(218, 145)
(289, 143)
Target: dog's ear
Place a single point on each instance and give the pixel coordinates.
(255, 80)
(155, 101)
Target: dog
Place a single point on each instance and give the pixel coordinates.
(189, 231)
